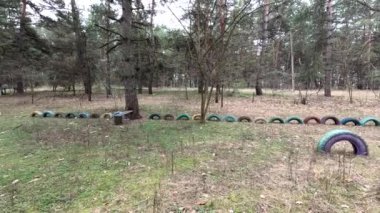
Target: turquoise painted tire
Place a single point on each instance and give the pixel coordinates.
(355, 121)
(230, 118)
(294, 118)
(183, 117)
(214, 117)
(48, 114)
(332, 137)
(84, 115)
(366, 120)
(276, 120)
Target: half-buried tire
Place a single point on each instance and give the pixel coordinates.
(197, 117)
(36, 114)
(48, 114)
(245, 119)
(276, 120)
(260, 120)
(214, 117)
(70, 115)
(59, 115)
(168, 117)
(84, 115)
(107, 115)
(155, 116)
(183, 117)
(294, 118)
(312, 118)
(335, 136)
(94, 115)
(230, 118)
(354, 121)
(367, 120)
(327, 118)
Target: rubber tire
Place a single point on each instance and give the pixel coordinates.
(294, 118)
(183, 117)
(197, 117)
(330, 138)
(214, 117)
(36, 114)
(48, 114)
(307, 119)
(345, 121)
(107, 115)
(59, 115)
(274, 119)
(230, 118)
(155, 116)
(365, 120)
(94, 115)
(70, 115)
(84, 115)
(260, 120)
(245, 119)
(168, 117)
(326, 118)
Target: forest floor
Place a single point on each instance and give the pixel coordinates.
(90, 165)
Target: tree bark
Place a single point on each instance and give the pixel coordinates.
(129, 75)
(328, 54)
(108, 61)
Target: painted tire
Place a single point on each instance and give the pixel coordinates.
(155, 116)
(214, 117)
(48, 114)
(245, 119)
(197, 117)
(59, 115)
(84, 115)
(36, 114)
(366, 120)
(276, 120)
(326, 118)
(183, 117)
(355, 121)
(107, 115)
(230, 118)
(70, 115)
(260, 120)
(307, 119)
(330, 138)
(294, 118)
(168, 117)
(94, 115)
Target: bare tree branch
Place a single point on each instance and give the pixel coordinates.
(365, 4)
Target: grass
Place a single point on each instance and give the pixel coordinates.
(93, 166)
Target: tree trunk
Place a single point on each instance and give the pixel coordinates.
(153, 49)
(217, 91)
(129, 75)
(328, 54)
(108, 62)
(292, 60)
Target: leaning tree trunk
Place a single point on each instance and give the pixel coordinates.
(129, 75)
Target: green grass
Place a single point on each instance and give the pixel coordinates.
(76, 165)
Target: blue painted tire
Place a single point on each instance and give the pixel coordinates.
(355, 121)
(366, 120)
(84, 115)
(330, 138)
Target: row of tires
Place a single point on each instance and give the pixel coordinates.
(260, 120)
(72, 115)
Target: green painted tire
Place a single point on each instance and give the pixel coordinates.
(214, 117)
(155, 116)
(275, 119)
(366, 120)
(183, 117)
(230, 118)
(294, 118)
